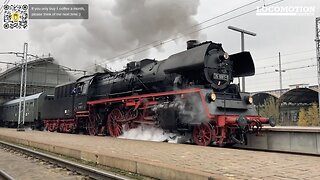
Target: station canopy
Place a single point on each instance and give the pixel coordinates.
(299, 96)
(260, 98)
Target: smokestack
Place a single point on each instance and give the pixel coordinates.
(192, 44)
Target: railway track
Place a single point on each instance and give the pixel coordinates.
(72, 166)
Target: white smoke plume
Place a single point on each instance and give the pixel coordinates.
(149, 133)
(113, 27)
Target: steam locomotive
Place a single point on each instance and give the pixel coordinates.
(190, 92)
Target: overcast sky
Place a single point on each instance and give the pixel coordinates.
(116, 27)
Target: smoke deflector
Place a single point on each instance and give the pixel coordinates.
(242, 64)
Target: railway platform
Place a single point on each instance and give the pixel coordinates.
(292, 139)
(171, 161)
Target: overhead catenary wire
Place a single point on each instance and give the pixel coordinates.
(286, 54)
(286, 77)
(289, 62)
(288, 69)
(272, 81)
(228, 12)
(5, 62)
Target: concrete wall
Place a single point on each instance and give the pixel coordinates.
(299, 140)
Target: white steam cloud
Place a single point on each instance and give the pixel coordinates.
(113, 27)
(149, 133)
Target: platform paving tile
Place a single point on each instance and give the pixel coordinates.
(230, 163)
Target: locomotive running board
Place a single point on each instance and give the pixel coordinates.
(122, 99)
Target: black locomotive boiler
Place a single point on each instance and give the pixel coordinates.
(190, 92)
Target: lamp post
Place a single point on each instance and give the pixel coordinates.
(23, 89)
(318, 57)
(280, 80)
(242, 31)
(280, 73)
(23, 84)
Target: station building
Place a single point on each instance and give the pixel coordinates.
(43, 74)
(291, 100)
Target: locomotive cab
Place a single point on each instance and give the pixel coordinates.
(81, 93)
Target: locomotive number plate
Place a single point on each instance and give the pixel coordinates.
(218, 76)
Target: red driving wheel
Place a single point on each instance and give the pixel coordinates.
(202, 134)
(114, 124)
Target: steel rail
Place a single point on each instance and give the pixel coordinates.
(72, 166)
(4, 175)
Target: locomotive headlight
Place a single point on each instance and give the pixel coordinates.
(223, 57)
(213, 96)
(249, 99)
(226, 55)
